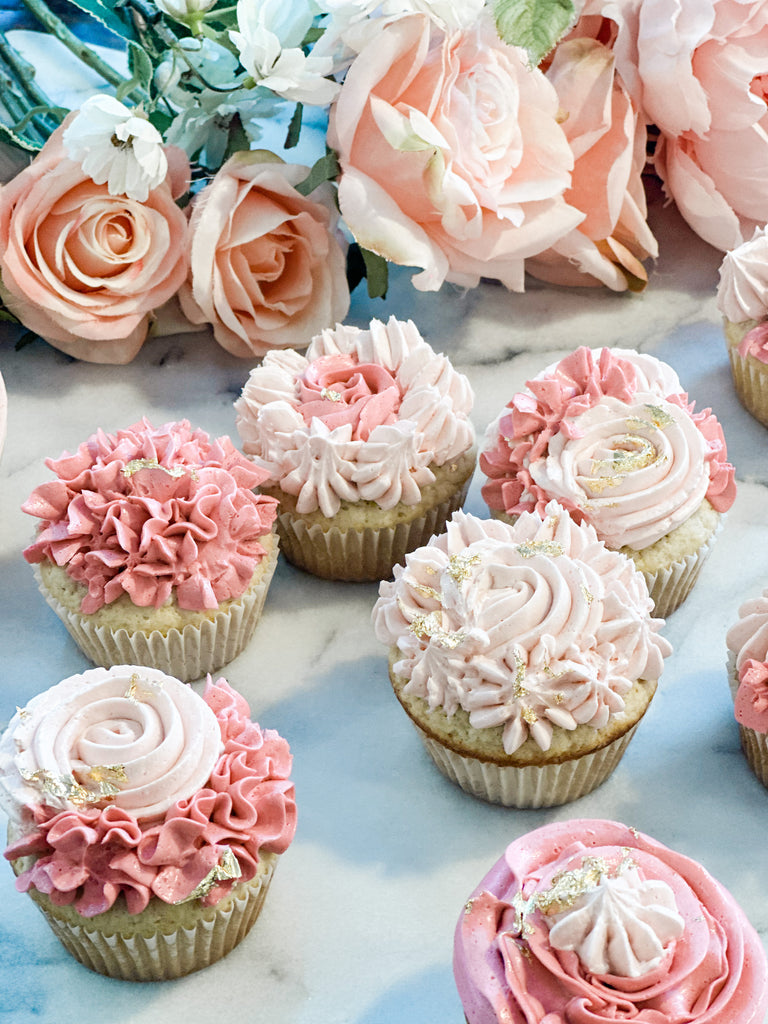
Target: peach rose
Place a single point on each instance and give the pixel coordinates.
(452, 156)
(704, 75)
(266, 269)
(608, 140)
(85, 269)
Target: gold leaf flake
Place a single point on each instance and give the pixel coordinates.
(135, 465)
(329, 395)
(460, 566)
(227, 868)
(540, 547)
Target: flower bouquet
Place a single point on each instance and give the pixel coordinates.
(464, 139)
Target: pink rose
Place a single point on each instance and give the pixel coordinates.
(267, 270)
(452, 156)
(85, 269)
(608, 140)
(704, 75)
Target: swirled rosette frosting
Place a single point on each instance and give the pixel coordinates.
(527, 627)
(125, 780)
(152, 512)
(747, 641)
(612, 437)
(742, 291)
(361, 417)
(590, 922)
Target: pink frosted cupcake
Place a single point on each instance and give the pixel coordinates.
(524, 655)
(742, 298)
(153, 548)
(145, 821)
(591, 921)
(367, 442)
(747, 642)
(612, 437)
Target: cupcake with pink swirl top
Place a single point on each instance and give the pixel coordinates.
(367, 443)
(146, 821)
(742, 298)
(525, 655)
(747, 642)
(592, 921)
(153, 548)
(611, 435)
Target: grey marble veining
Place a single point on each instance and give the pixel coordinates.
(358, 926)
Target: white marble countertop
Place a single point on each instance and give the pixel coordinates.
(358, 925)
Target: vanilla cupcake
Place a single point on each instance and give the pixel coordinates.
(146, 821)
(747, 642)
(589, 920)
(367, 442)
(742, 298)
(524, 655)
(611, 435)
(153, 548)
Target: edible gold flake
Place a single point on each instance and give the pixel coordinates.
(425, 591)
(540, 547)
(519, 690)
(559, 697)
(659, 417)
(468, 906)
(227, 868)
(529, 716)
(589, 597)
(175, 471)
(329, 395)
(569, 886)
(139, 688)
(24, 715)
(460, 566)
(428, 627)
(93, 786)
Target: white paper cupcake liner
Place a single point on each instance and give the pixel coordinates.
(545, 785)
(187, 654)
(670, 585)
(361, 555)
(750, 379)
(155, 953)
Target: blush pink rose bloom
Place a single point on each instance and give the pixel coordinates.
(266, 268)
(452, 156)
(704, 74)
(85, 269)
(608, 140)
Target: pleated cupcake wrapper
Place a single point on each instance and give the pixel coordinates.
(754, 744)
(159, 956)
(751, 383)
(670, 586)
(187, 654)
(545, 785)
(361, 555)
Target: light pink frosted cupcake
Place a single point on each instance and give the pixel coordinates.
(592, 921)
(742, 298)
(367, 442)
(524, 655)
(146, 821)
(153, 548)
(747, 642)
(610, 435)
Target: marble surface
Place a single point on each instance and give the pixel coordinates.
(358, 925)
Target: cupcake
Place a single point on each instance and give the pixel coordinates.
(593, 921)
(153, 548)
(524, 655)
(611, 436)
(145, 820)
(742, 298)
(747, 642)
(367, 442)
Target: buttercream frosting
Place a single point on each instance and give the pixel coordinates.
(361, 416)
(527, 627)
(125, 780)
(612, 436)
(755, 342)
(742, 292)
(152, 512)
(747, 640)
(706, 962)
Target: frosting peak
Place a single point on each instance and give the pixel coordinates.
(742, 292)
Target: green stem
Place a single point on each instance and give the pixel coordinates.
(55, 26)
(24, 72)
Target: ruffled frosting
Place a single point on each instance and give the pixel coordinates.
(751, 703)
(742, 292)
(755, 343)
(527, 627)
(152, 512)
(207, 839)
(608, 415)
(747, 640)
(361, 417)
(508, 971)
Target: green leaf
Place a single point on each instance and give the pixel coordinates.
(107, 12)
(535, 25)
(140, 67)
(324, 169)
(294, 128)
(377, 274)
(8, 136)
